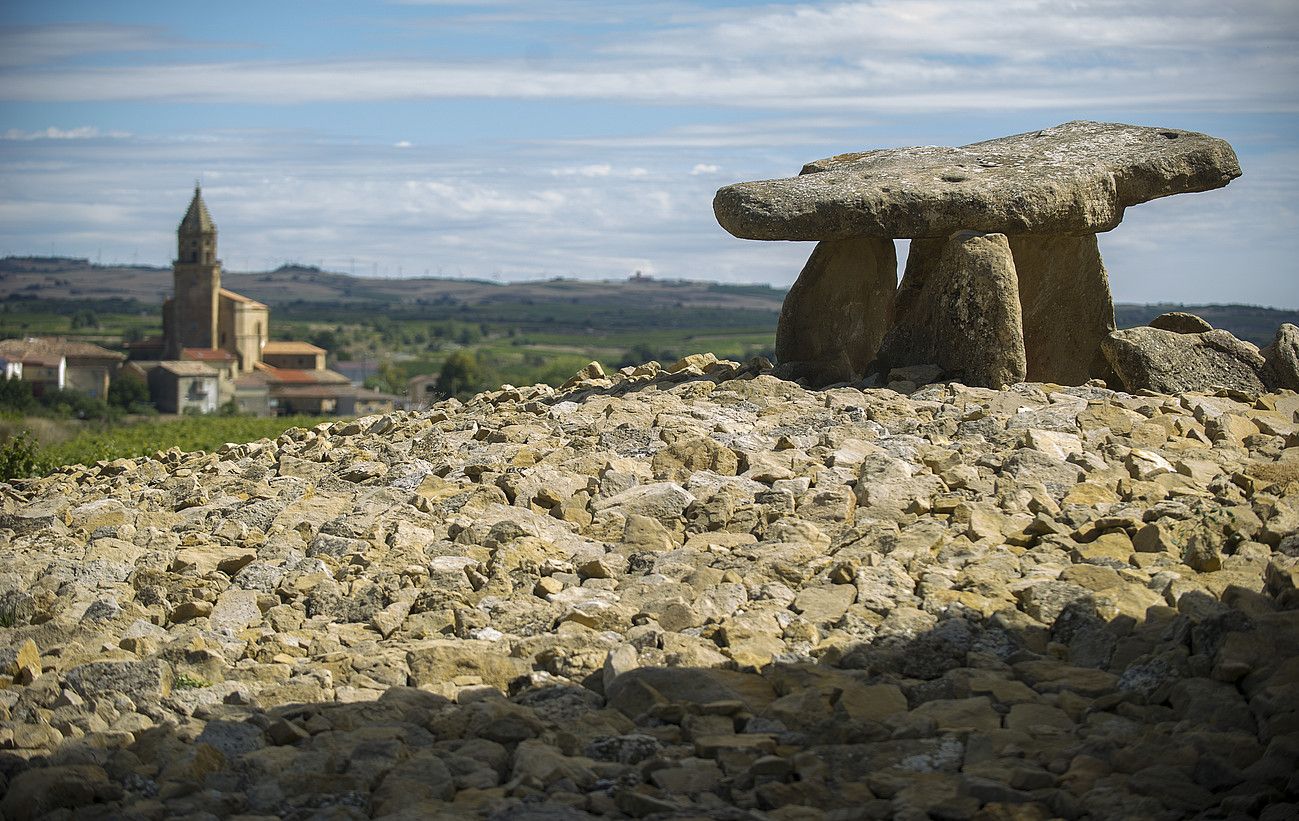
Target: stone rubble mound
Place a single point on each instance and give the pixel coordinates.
(699, 592)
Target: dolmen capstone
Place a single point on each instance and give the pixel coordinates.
(1004, 281)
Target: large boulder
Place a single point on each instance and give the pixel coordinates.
(838, 310)
(1282, 358)
(1181, 322)
(1075, 178)
(958, 308)
(1170, 362)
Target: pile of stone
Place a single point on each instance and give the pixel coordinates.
(1004, 281)
(695, 592)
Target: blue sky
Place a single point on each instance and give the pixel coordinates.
(520, 140)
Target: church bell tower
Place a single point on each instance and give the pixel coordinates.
(197, 278)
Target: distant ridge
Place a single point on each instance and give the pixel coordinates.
(69, 279)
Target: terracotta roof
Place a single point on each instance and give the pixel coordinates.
(289, 348)
(206, 355)
(182, 368)
(287, 376)
(55, 346)
(197, 219)
(233, 297)
(311, 391)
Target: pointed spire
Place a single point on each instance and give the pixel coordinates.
(197, 220)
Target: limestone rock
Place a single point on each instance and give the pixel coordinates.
(1168, 362)
(1066, 307)
(138, 680)
(1180, 322)
(1074, 178)
(1282, 358)
(37, 793)
(837, 311)
(958, 308)
(443, 662)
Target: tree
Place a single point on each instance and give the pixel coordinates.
(128, 393)
(16, 395)
(84, 319)
(460, 376)
(389, 378)
(327, 340)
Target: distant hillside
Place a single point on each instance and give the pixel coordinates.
(61, 278)
(64, 285)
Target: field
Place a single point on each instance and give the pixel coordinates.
(52, 443)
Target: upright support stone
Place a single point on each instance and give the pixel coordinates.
(958, 308)
(1064, 297)
(837, 311)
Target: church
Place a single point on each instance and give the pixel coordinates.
(216, 347)
(203, 316)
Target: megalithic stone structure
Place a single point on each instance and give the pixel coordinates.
(1048, 193)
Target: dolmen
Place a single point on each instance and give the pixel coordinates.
(1004, 281)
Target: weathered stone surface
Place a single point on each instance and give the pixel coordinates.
(958, 308)
(1035, 602)
(1075, 178)
(36, 793)
(837, 311)
(140, 680)
(1169, 362)
(1180, 322)
(1065, 305)
(442, 662)
(1282, 358)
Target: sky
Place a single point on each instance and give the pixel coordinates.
(526, 139)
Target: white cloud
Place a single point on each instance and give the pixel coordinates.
(592, 170)
(704, 168)
(402, 144)
(888, 55)
(34, 45)
(85, 132)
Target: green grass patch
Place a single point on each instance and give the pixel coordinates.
(92, 442)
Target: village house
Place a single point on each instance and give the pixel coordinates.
(50, 363)
(184, 387)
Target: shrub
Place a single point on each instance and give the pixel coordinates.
(20, 457)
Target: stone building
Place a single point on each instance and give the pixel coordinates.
(217, 330)
(180, 387)
(52, 363)
(202, 315)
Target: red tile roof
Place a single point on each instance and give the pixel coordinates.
(286, 376)
(206, 355)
